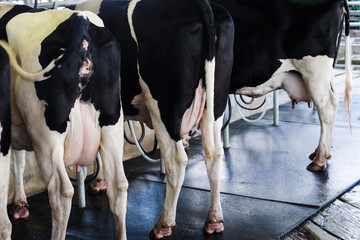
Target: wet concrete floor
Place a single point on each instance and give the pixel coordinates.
(266, 190)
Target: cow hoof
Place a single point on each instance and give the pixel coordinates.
(213, 226)
(20, 210)
(153, 236)
(163, 233)
(97, 186)
(313, 167)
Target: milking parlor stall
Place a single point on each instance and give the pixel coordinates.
(180, 119)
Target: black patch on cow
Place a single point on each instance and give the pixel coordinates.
(65, 85)
(62, 88)
(17, 9)
(224, 57)
(270, 30)
(103, 85)
(114, 16)
(170, 52)
(112, 12)
(4, 102)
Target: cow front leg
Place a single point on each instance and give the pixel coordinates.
(111, 152)
(51, 163)
(211, 139)
(5, 224)
(20, 205)
(175, 160)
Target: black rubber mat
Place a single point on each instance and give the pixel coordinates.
(266, 189)
(269, 162)
(245, 218)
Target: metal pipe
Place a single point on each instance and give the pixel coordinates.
(80, 177)
(225, 132)
(131, 126)
(276, 107)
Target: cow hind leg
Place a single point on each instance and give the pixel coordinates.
(322, 91)
(5, 224)
(20, 205)
(60, 190)
(111, 151)
(175, 160)
(211, 139)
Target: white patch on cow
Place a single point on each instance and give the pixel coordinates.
(83, 135)
(130, 12)
(5, 7)
(24, 42)
(210, 87)
(93, 6)
(93, 18)
(319, 63)
(82, 14)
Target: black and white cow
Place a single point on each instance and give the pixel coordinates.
(5, 128)
(169, 50)
(5, 225)
(291, 44)
(74, 113)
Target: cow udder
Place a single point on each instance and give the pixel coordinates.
(83, 135)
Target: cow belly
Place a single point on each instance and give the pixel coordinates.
(83, 135)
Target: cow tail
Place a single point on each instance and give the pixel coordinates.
(209, 41)
(348, 81)
(32, 77)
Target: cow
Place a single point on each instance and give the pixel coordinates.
(5, 129)
(171, 51)
(291, 44)
(5, 225)
(75, 110)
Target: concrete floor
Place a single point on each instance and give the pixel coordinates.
(266, 190)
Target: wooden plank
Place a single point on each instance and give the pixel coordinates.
(352, 197)
(341, 219)
(318, 232)
(309, 231)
